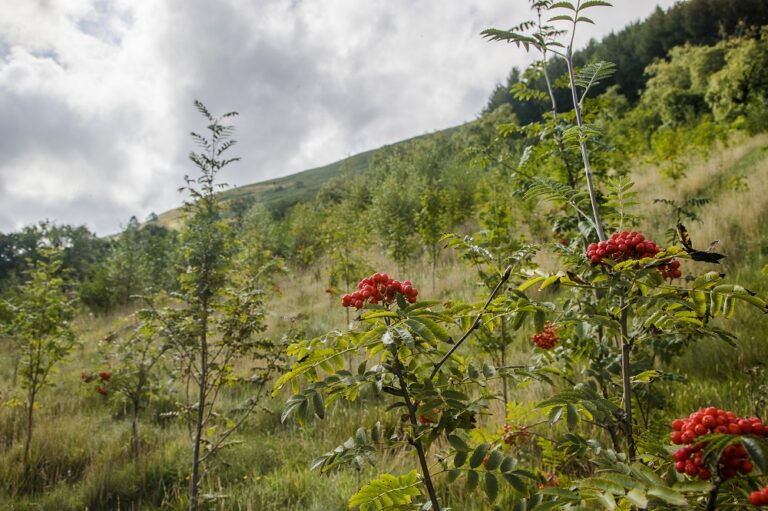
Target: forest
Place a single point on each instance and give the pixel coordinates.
(541, 309)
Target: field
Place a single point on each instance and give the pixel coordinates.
(81, 450)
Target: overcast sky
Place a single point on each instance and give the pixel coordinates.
(96, 95)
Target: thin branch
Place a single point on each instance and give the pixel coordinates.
(475, 324)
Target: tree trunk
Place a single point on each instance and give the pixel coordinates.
(194, 478)
(135, 430)
(30, 417)
(504, 362)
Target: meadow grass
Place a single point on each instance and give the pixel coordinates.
(81, 445)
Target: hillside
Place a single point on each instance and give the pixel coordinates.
(279, 194)
(632, 48)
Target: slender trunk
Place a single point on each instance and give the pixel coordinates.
(434, 266)
(549, 88)
(584, 151)
(135, 430)
(712, 501)
(16, 361)
(30, 417)
(626, 374)
(504, 362)
(194, 478)
(414, 426)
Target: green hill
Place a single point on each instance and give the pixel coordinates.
(279, 194)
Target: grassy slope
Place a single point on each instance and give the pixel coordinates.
(299, 187)
(81, 444)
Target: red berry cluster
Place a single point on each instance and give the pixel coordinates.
(101, 390)
(705, 421)
(759, 497)
(547, 338)
(630, 245)
(104, 376)
(510, 437)
(622, 246)
(671, 270)
(379, 288)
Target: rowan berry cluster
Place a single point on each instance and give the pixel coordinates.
(104, 376)
(101, 390)
(511, 437)
(671, 270)
(705, 421)
(379, 288)
(622, 246)
(759, 497)
(547, 338)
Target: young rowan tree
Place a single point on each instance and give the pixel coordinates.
(40, 320)
(216, 312)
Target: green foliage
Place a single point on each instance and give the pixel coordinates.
(387, 492)
(41, 313)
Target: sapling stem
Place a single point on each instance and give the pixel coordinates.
(626, 347)
(712, 500)
(397, 368)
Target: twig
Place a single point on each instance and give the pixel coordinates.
(475, 324)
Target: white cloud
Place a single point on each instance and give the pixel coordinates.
(95, 95)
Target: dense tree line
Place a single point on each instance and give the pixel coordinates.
(632, 49)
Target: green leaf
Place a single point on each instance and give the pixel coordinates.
(317, 403)
(360, 438)
(572, 416)
(603, 484)
(473, 478)
(491, 486)
(757, 451)
(494, 461)
(528, 283)
(386, 490)
(453, 474)
(478, 455)
(458, 443)
(668, 495)
(707, 280)
(421, 330)
(549, 281)
(437, 330)
(563, 5)
(729, 307)
(559, 492)
(637, 497)
(594, 3)
(700, 302)
(608, 501)
(515, 482)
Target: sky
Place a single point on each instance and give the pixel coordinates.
(96, 96)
